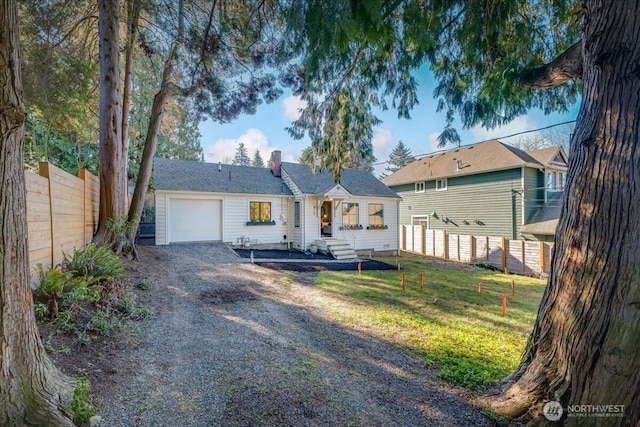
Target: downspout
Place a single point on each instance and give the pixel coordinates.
(398, 228)
(524, 218)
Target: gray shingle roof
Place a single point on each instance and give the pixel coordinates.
(355, 181)
(545, 219)
(183, 175)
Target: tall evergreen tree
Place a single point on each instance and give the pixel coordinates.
(242, 156)
(32, 390)
(493, 60)
(258, 161)
(399, 157)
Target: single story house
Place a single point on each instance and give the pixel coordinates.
(286, 205)
(484, 189)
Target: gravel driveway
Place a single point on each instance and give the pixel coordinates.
(236, 344)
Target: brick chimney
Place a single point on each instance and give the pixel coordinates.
(275, 162)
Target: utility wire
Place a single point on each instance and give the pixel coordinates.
(490, 139)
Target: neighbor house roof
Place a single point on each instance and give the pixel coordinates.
(183, 175)
(466, 160)
(545, 220)
(549, 156)
(355, 181)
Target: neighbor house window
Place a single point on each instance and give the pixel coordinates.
(555, 181)
(350, 214)
(259, 211)
(420, 187)
(376, 215)
(441, 184)
(296, 214)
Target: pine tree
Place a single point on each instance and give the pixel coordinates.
(258, 161)
(399, 157)
(242, 156)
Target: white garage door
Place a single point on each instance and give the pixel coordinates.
(193, 220)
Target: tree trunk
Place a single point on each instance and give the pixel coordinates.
(585, 346)
(32, 390)
(160, 100)
(146, 165)
(113, 172)
(133, 14)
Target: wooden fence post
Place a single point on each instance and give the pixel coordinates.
(424, 240)
(543, 261)
(472, 248)
(403, 238)
(504, 254)
(43, 169)
(445, 244)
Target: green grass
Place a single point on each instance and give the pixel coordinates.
(465, 337)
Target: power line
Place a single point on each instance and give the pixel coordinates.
(491, 139)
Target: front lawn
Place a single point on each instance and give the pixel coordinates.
(463, 335)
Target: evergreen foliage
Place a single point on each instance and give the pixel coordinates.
(360, 55)
(242, 156)
(258, 161)
(399, 157)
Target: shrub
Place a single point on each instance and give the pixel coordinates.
(94, 264)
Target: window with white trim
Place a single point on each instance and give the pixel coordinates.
(419, 187)
(259, 211)
(376, 215)
(441, 184)
(296, 214)
(350, 214)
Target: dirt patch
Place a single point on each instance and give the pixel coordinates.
(226, 296)
(236, 344)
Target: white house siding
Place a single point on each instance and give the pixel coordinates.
(161, 218)
(310, 221)
(374, 240)
(235, 215)
(296, 233)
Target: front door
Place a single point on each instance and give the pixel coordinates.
(326, 219)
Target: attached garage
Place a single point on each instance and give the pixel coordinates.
(194, 220)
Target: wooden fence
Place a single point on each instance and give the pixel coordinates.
(62, 213)
(515, 256)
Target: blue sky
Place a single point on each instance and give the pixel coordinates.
(265, 131)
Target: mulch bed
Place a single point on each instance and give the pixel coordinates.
(326, 266)
(280, 254)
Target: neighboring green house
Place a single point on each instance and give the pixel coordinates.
(485, 189)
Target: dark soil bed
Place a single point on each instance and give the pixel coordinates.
(326, 266)
(280, 254)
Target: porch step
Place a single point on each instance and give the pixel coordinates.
(338, 248)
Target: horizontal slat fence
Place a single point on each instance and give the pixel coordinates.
(62, 213)
(515, 256)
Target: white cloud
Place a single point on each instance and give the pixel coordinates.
(519, 124)
(224, 150)
(433, 142)
(382, 142)
(292, 106)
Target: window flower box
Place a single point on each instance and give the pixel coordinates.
(261, 223)
(378, 227)
(351, 227)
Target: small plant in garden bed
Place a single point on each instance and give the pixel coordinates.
(145, 284)
(81, 408)
(86, 295)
